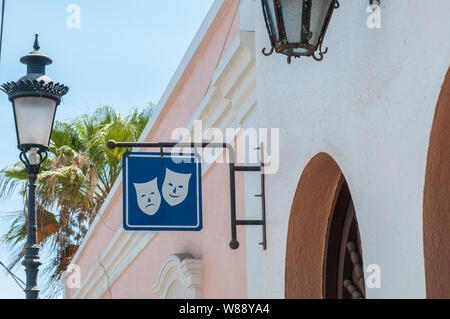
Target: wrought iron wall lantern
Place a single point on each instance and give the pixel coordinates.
(297, 27)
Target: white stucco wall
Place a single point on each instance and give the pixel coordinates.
(370, 105)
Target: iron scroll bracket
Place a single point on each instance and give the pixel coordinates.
(233, 169)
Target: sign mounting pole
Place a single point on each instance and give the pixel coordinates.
(234, 243)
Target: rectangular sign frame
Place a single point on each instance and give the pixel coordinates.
(233, 169)
(127, 226)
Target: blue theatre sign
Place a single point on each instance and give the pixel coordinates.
(162, 191)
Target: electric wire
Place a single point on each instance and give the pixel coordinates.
(1, 27)
(16, 279)
(224, 44)
(107, 277)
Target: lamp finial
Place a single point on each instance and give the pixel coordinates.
(36, 60)
(36, 46)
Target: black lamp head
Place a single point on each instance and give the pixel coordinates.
(35, 98)
(35, 83)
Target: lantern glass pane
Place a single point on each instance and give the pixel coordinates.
(272, 19)
(34, 119)
(318, 14)
(292, 16)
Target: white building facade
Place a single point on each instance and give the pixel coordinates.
(370, 105)
(363, 133)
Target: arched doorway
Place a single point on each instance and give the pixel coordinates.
(436, 206)
(323, 252)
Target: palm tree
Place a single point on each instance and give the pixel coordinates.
(73, 184)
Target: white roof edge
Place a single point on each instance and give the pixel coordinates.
(192, 49)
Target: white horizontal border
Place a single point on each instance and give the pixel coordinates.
(117, 259)
(198, 177)
(214, 15)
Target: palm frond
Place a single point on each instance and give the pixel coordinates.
(72, 185)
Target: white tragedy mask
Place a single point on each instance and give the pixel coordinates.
(148, 196)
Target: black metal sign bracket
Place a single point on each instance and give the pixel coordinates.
(234, 243)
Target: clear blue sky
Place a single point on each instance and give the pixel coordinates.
(123, 55)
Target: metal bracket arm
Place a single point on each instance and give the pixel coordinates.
(234, 244)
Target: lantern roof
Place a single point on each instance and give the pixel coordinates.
(36, 56)
(35, 83)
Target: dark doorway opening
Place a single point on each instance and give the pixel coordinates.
(344, 272)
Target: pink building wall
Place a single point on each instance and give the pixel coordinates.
(224, 270)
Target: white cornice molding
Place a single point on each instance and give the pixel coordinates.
(214, 15)
(234, 75)
(183, 269)
(232, 95)
(202, 37)
(122, 250)
(233, 82)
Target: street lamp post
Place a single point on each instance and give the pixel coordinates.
(35, 98)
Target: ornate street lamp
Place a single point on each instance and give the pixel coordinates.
(35, 98)
(297, 27)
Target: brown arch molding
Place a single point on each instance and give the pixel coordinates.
(311, 213)
(436, 205)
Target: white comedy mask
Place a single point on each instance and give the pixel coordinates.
(175, 187)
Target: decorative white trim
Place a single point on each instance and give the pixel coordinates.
(239, 85)
(200, 38)
(232, 95)
(180, 271)
(121, 251)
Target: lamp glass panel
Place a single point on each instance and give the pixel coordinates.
(318, 14)
(273, 19)
(292, 17)
(34, 119)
